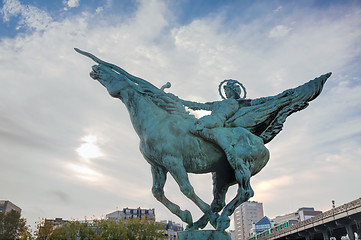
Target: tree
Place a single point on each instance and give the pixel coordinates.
(44, 229)
(12, 226)
(143, 230)
(109, 229)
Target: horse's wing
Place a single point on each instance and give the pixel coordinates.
(265, 116)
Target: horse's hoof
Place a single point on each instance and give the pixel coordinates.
(200, 224)
(190, 227)
(186, 217)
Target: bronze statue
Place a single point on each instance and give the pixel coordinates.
(229, 143)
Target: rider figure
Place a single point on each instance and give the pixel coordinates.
(222, 110)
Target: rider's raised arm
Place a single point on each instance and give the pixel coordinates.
(192, 105)
(198, 106)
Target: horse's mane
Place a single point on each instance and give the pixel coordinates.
(166, 101)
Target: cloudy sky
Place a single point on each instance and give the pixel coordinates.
(67, 149)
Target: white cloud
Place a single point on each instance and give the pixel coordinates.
(10, 8)
(279, 8)
(30, 16)
(279, 31)
(72, 3)
(99, 10)
(49, 102)
(270, 185)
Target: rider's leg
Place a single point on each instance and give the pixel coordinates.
(209, 121)
(159, 178)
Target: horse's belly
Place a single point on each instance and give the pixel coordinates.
(201, 166)
(196, 155)
(207, 158)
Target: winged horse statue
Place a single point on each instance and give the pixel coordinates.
(229, 143)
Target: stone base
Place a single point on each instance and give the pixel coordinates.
(203, 235)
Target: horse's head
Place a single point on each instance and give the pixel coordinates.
(114, 82)
(105, 73)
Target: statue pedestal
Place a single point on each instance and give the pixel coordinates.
(203, 235)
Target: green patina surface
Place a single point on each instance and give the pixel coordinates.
(203, 235)
(229, 143)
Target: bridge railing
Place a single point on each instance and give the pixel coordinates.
(320, 217)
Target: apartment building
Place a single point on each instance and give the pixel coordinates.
(245, 215)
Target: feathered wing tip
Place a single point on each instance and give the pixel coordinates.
(266, 116)
(297, 100)
(310, 90)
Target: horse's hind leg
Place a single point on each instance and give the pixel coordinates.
(249, 153)
(159, 178)
(244, 193)
(222, 180)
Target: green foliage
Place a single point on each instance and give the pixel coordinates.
(12, 226)
(143, 230)
(44, 229)
(109, 229)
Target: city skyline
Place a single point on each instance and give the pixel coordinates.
(68, 149)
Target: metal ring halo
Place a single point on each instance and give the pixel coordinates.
(228, 80)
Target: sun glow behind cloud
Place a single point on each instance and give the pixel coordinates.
(89, 149)
(84, 172)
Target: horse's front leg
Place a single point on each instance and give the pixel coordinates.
(177, 170)
(159, 177)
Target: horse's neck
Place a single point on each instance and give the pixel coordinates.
(143, 112)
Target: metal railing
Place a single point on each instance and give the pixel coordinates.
(316, 219)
